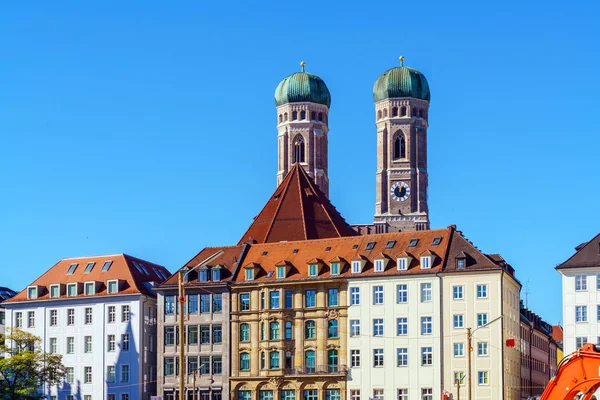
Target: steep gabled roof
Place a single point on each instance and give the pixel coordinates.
(587, 255)
(297, 210)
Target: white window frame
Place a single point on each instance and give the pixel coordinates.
(355, 296)
(378, 358)
(483, 315)
(355, 358)
(581, 314)
(426, 292)
(379, 265)
(378, 327)
(378, 295)
(483, 349)
(581, 283)
(460, 319)
(484, 290)
(69, 286)
(458, 292)
(113, 282)
(32, 292)
(486, 378)
(356, 267)
(427, 325)
(85, 288)
(280, 271)
(459, 349)
(53, 286)
(402, 263)
(402, 355)
(354, 327)
(249, 274)
(401, 293)
(425, 262)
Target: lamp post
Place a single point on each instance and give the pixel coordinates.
(196, 370)
(470, 349)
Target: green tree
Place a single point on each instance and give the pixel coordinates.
(24, 367)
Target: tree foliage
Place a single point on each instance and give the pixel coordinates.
(24, 367)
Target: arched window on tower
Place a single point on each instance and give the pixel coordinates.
(385, 113)
(413, 112)
(395, 112)
(321, 116)
(298, 149)
(303, 115)
(285, 116)
(379, 114)
(280, 118)
(399, 146)
(313, 116)
(294, 115)
(403, 112)
(421, 113)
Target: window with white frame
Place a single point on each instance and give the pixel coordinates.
(32, 292)
(110, 374)
(580, 341)
(31, 319)
(459, 349)
(482, 349)
(426, 394)
(281, 271)
(598, 313)
(459, 378)
(70, 375)
(125, 314)
(53, 346)
(580, 283)
(354, 327)
(378, 327)
(19, 319)
(378, 394)
(580, 313)
(355, 394)
(426, 355)
(425, 262)
(112, 313)
(425, 292)
(402, 355)
(482, 319)
(402, 263)
(53, 317)
(88, 315)
(481, 291)
(483, 378)
(402, 326)
(355, 358)
(402, 293)
(377, 357)
(87, 373)
(426, 326)
(71, 316)
(71, 289)
(457, 292)
(458, 320)
(113, 286)
(54, 290)
(112, 343)
(125, 341)
(356, 267)
(249, 274)
(89, 288)
(87, 344)
(354, 296)
(378, 265)
(402, 394)
(378, 294)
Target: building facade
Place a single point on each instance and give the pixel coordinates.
(5, 294)
(99, 313)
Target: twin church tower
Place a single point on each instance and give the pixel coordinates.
(401, 97)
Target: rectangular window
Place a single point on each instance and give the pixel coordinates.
(89, 288)
(402, 264)
(355, 358)
(204, 303)
(402, 394)
(192, 364)
(265, 395)
(425, 262)
(482, 319)
(245, 302)
(113, 286)
(217, 365)
(52, 346)
(70, 377)
(125, 342)
(31, 319)
(354, 327)
(332, 297)
(54, 317)
(457, 292)
(402, 357)
(458, 321)
(598, 282)
(217, 303)
(192, 334)
(169, 366)
(378, 294)
(580, 313)
(169, 305)
(71, 316)
(598, 313)
(312, 270)
(332, 394)
(335, 268)
(87, 344)
(459, 349)
(87, 375)
(310, 298)
(580, 341)
(289, 299)
(355, 394)
(356, 267)
(482, 291)
(217, 334)
(70, 345)
(249, 274)
(71, 269)
(402, 293)
(483, 378)
(402, 326)
(112, 313)
(106, 266)
(54, 290)
(204, 334)
(125, 373)
(112, 343)
(426, 356)
(88, 315)
(169, 335)
(274, 299)
(19, 320)
(482, 349)
(377, 357)
(125, 396)
(280, 272)
(110, 374)
(378, 327)
(192, 304)
(354, 296)
(124, 313)
(378, 265)
(71, 289)
(378, 394)
(426, 326)
(459, 378)
(580, 283)
(425, 292)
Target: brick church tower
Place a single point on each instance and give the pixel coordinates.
(401, 97)
(303, 102)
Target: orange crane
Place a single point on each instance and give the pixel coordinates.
(578, 372)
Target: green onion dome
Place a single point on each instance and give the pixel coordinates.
(401, 82)
(302, 87)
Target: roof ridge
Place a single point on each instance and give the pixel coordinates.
(578, 251)
(281, 198)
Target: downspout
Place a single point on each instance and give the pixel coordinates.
(530, 360)
(142, 343)
(437, 274)
(502, 330)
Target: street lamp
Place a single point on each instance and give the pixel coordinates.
(196, 370)
(470, 349)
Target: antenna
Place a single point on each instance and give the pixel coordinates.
(527, 294)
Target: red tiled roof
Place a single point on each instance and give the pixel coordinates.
(297, 210)
(123, 268)
(557, 333)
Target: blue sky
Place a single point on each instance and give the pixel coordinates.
(149, 129)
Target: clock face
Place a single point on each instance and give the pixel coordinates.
(400, 191)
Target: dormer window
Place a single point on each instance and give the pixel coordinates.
(312, 269)
(402, 264)
(90, 288)
(32, 292)
(54, 290)
(202, 275)
(357, 266)
(281, 271)
(89, 267)
(71, 269)
(71, 289)
(249, 274)
(113, 286)
(378, 265)
(335, 268)
(461, 263)
(426, 262)
(216, 273)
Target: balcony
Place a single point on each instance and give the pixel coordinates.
(341, 370)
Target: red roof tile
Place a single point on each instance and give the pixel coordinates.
(297, 210)
(557, 333)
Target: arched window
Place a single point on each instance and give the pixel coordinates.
(313, 116)
(285, 116)
(309, 361)
(302, 115)
(379, 114)
(321, 116)
(413, 112)
(403, 112)
(395, 112)
(280, 118)
(332, 329)
(262, 331)
(244, 332)
(289, 328)
(309, 329)
(298, 149)
(399, 146)
(385, 113)
(274, 331)
(274, 360)
(294, 115)
(332, 361)
(421, 113)
(245, 362)
(262, 360)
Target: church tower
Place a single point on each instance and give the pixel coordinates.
(401, 97)
(303, 102)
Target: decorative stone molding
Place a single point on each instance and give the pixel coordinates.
(276, 381)
(333, 314)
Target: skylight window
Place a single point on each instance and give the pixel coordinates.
(327, 248)
(413, 242)
(355, 246)
(143, 267)
(88, 267)
(71, 269)
(390, 244)
(436, 240)
(295, 251)
(269, 274)
(370, 246)
(264, 253)
(137, 266)
(106, 266)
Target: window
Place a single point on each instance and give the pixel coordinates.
(402, 264)
(244, 395)
(402, 328)
(598, 282)
(482, 319)
(106, 266)
(244, 332)
(281, 271)
(309, 329)
(216, 274)
(425, 262)
(481, 291)
(71, 269)
(204, 334)
(312, 270)
(580, 313)
(204, 303)
(70, 376)
(426, 326)
(87, 373)
(71, 289)
(169, 335)
(87, 344)
(71, 316)
(88, 315)
(89, 267)
(53, 317)
(125, 373)
(245, 302)
(598, 314)
(274, 299)
(354, 296)
(192, 304)
(402, 354)
(459, 349)
(332, 394)
(354, 327)
(379, 265)
(244, 361)
(169, 305)
(217, 365)
(394, 111)
(274, 330)
(332, 297)
(401, 293)
(192, 335)
(112, 287)
(289, 329)
(378, 327)
(124, 313)
(377, 294)
(111, 314)
(310, 298)
(310, 361)
(356, 267)
(399, 146)
(377, 357)
(355, 358)
(332, 361)
(311, 394)
(217, 334)
(32, 292)
(125, 342)
(426, 356)
(483, 378)
(460, 263)
(70, 345)
(298, 147)
(413, 242)
(459, 377)
(52, 346)
(457, 292)
(249, 274)
(19, 320)
(111, 373)
(377, 394)
(580, 341)
(54, 290)
(124, 396)
(302, 114)
(402, 394)
(89, 288)
(482, 349)
(288, 394)
(335, 268)
(274, 360)
(332, 329)
(112, 345)
(289, 299)
(458, 321)
(425, 292)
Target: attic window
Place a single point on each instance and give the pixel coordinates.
(113, 286)
(90, 288)
(413, 242)
(379, 265)
(202, 275)
(356, 267)
(460, 263)
(143, 267)
(71, 289)
(54, 290)
(390, 244)
(32, 292)
(249, 274)
(355, 246)
(335, 268)
(312, 269)
(269, 274)
(425, 262)
(402, 263)
(106, 266)
(264, 253)
(280, 271)
(327, 248)
(370, 246)
(71, 269)
(436, 240)
(216, 274)
(88, 267)
(295, 251)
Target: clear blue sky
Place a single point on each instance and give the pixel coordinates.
(149, 129)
